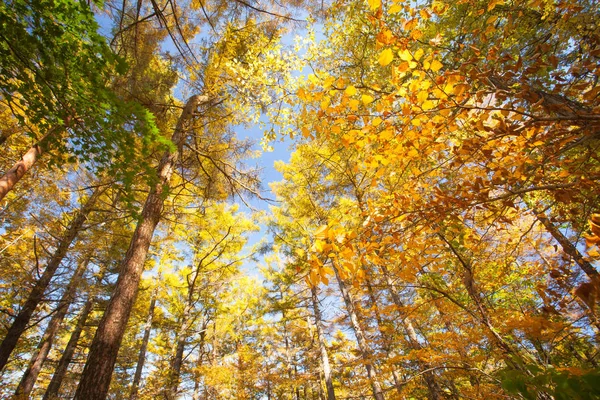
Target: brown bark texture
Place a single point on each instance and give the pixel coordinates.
(98, 369)
(35, 297)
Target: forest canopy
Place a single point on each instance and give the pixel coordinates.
(434, 233)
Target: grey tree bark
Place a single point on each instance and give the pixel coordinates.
(365, 350)
(322, 346)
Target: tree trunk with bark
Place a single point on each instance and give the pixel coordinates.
(432, 385)
(365, 350)
(53, 389)
(14, 175)
(142, 354)
(511, 355)
(568, 247)
(35, 297)
(41, 354)
(98, 369)
(177, 362)
(322, 346)
(385, 337)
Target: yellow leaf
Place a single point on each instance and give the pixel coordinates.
(314, 278)
(492, 4)
(436, 65)
(354, 105)
(427, 105)
(350, 90)
(366, 99)
(396, 8)
(321, 233)
(374, 4)
(422, 95)
(386, 57)
(376, 121)
(413, 153)
(416, 34)
(405, 55)
(419, 54)
(386, 134)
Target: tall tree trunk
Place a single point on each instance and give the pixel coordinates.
(568, 247)
(464, 357)
(196, 395)
(98, 369)
(432, 384)
(35, 297)
(39, 356)
(413, 341)
(363, 345)
(511, 355)
(52, 391)
(142, 355)
(14, 175)
(291, 366)
(385, 337)
(322, 347)
(177, 361)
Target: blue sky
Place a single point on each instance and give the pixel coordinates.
(281, 148)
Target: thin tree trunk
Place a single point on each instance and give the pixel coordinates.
(429, 376)
(142, 355)
(196, 395)
(182, 334)
(52, 391)
(384, 336)
(35, 297)
(177, 362)
(290, 364)
(568, 247)
(513, 358)
(413, 341)
(363, 345)
(39, 357)
(461, 350)
(98, 369)
(322, 346)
